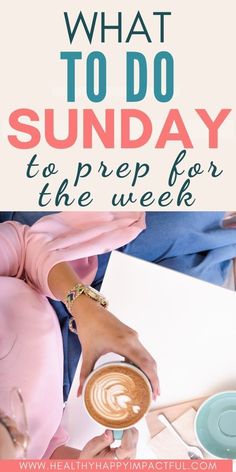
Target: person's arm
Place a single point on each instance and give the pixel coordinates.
(12, 250)
(80, 237)
(100, 447)
(76, 238)
(99, 330)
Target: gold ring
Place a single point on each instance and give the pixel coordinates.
(115, 454)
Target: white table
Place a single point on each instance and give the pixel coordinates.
(189, 326)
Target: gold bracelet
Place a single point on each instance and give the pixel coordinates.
(80, 289)
(74, 293)
(72, 325)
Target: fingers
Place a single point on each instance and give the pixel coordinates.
(130, 347)
(100, 446)
(127, 344)
(127, 449)
(141, 357)
(97, 445)
(87, 367)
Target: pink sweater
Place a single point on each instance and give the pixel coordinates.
(31, 354)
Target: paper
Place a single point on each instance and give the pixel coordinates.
(167, 446)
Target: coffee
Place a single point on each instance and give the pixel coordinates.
(117, 396)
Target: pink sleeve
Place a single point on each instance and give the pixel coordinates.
(12, 249)
(77, 236)
(60, 438)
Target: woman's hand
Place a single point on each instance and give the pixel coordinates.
(100, 447)
(101, 332)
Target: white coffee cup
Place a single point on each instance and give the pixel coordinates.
(118, 431)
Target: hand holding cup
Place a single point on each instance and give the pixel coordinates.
(101, 446)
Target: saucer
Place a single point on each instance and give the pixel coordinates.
(215, 425)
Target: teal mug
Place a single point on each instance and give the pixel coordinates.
(117, 395)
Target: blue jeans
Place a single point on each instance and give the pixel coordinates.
(193, 243)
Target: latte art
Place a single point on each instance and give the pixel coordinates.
(117, 396)
(111, 396)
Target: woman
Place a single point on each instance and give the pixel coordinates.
(33, 267)
(200, 244)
